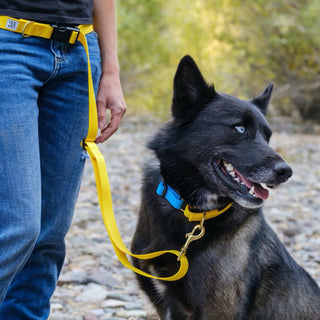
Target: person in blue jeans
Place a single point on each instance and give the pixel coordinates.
(43, 118)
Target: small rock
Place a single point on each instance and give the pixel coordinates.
(113, 303)
(90, 316)
(132, 313)
(119, 296)
(96, 293)
(291, 232)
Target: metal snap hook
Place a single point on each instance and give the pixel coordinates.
(192, 236)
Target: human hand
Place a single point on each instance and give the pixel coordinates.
(110, 97)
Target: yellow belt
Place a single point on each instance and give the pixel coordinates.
(31, 28)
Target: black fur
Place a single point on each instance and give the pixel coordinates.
(239, 269)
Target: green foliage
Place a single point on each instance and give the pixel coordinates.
(143, 54)
(241, 45)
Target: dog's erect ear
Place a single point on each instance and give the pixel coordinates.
(262, 101)
(191, 93)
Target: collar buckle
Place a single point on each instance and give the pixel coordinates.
(166, 192)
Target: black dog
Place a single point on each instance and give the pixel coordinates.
(214, 152)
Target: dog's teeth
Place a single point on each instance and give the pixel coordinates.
(263, 185)
(237, 179)
(229, 167)
(252, 190)
(232, 174)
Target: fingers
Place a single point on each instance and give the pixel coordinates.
(107, 131)
(109, 96)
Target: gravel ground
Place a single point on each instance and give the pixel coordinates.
(94, 285)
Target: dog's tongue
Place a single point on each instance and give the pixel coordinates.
(259, 191)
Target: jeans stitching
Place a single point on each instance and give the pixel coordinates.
(57, 60)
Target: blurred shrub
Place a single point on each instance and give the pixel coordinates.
(239, 44)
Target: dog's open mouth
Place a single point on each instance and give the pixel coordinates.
(235, 179)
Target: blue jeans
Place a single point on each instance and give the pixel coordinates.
(43, 118)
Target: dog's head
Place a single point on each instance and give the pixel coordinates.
(217, 145)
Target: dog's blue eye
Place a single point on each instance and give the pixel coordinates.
(240, 129)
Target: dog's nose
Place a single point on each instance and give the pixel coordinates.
(283, 171)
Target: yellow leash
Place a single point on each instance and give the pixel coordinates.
(31, 28)
(105, 200)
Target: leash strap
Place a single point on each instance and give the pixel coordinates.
(197, 216)
(31, 28)
(105, 201)
(104, 195)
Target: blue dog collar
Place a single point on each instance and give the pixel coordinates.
(175, 200)
(165, 191)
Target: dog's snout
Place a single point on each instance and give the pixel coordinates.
(283, 171)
